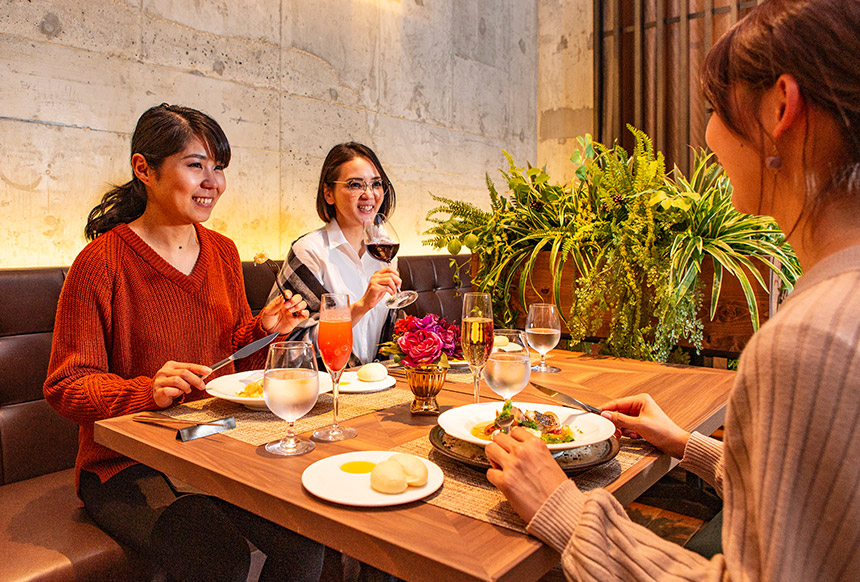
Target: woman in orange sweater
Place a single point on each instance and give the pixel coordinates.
(152, 297)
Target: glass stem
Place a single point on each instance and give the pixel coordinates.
(334, 392)
(476, 375)
(542, 365)
(290, 438)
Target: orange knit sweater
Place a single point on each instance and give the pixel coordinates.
(123, 312)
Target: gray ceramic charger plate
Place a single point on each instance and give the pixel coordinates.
(570, 460)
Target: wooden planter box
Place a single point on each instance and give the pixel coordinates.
(726, 335)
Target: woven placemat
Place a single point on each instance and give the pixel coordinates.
(468, 492)
(257, 427)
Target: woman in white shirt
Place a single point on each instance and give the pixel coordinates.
(353, 187)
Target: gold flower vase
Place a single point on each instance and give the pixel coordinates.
(425, 383)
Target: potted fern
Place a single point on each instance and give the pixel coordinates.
(623, 248)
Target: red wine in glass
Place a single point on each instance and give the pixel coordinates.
(383, 243)
(383, 251)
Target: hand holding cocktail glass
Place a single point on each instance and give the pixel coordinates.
(334, 338)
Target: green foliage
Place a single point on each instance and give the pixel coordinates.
(636, 237)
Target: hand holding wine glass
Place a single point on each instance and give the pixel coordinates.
(508, 368)
(543, 330)
(382, 243)
(290, 389)
(476, 335)
(334, 338)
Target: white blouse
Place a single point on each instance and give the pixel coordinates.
(339, 269)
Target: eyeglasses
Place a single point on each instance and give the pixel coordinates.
(357, 186)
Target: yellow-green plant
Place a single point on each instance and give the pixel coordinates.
(636, 236)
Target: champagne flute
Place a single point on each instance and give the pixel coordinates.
(508, 368)
(476, 335)
(543, 330)
(334, 338)
(290, 388)
(382, 243)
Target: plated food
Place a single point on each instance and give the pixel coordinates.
(587, 428)
(346, 478)
(544, 425)
(571, 460)
(231, 386)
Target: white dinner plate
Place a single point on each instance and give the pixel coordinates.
(350, 384)
(589, 428)
(326, 480)
(226, 387)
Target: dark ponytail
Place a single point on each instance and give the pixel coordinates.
(161, 132)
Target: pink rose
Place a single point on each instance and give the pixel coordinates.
(429, 322)
(420, 347)
(450, 336)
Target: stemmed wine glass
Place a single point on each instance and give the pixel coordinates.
(476, 335)
(334, 338)
(508, 368)
(543, 330)
(382, 244)
(290, 388)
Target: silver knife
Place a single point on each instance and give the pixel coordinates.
(244, 352)
(567, 400)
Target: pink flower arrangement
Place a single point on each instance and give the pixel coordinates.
(425, 341)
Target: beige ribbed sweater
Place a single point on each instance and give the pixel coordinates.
(789, 469)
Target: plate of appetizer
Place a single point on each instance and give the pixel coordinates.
(246, 388)
(559, 427)
(571, 460)
(371, 377)
(372, 478)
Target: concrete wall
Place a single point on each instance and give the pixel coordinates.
(565, 82)
(437, 88)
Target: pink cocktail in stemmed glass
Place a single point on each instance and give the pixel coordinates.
(334, 340)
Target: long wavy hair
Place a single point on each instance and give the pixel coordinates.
(817, 43)
(338, 156)
(161, 132)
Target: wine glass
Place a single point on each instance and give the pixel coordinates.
(508, 368)
(334, 338)
(290, 388)
(476, 335)
(543, 330)
(382, 243)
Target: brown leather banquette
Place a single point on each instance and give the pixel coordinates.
(44, 534)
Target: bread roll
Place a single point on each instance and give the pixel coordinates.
(500, 341)
(415, 469)
(388, 477)
(372, 372)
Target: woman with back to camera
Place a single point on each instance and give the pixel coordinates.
(353, 188)
(152, 298)
(785, 87)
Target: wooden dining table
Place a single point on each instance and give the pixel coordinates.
(419, 541)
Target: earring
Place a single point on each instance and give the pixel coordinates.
(773, 161)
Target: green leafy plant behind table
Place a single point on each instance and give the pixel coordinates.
(636, 237)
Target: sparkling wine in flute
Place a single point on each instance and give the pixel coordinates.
(507, 373)
(477, 340)
(543, 339)
(290, 393)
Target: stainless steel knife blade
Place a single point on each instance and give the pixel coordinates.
(566, 400)
(245, 351)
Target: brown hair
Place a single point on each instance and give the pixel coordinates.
(161, 132)
(816, 42)
(338, 156)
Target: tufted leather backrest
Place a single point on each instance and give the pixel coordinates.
(34, 439)
(432, 276)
